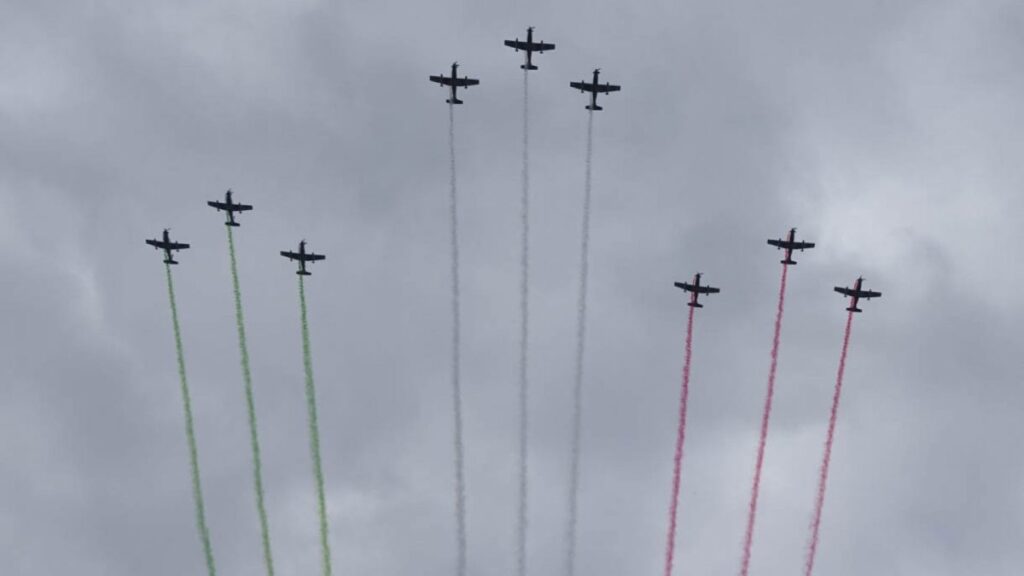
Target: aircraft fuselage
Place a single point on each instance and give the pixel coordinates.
(454, 99)
(593, 96)
(529, 51)
(788, 260)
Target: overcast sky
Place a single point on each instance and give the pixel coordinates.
(888, 132)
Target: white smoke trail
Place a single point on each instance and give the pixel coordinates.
(460, 481)
(524, 309)
(577, 395)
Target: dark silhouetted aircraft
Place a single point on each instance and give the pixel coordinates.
(167, 246)
(302, 257)
(696, 290)
(455, 83)
(529, 47)
(594, 88)
(790, 244)
(856, 293)
(230, 207)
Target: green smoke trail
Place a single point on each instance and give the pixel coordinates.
(257, 465)
(197, 490)
(314, 433)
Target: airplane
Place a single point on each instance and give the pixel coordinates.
(594, 88)
(529, 47)
(302, 257)
(790, 244)
(455, 82)
(696, 290)
(167, 246)
(230, 207)
(856, 293)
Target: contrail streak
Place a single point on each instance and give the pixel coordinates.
(193, 452)
(823, 476)
(460, 480)
(314, 434)
(673, 509)
(748, 538)
(577, 394)
(524, 308)
(257, 466)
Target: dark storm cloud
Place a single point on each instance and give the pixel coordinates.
(886, 133)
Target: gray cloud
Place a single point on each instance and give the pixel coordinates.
(887, 133)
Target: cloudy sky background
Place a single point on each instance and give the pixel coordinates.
(889, 133)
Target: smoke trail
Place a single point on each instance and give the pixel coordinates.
(193, 453)
(748, 538)
(524, 335)
(577, 394)
(314, 433)
(823, 476)
(670, 547)
(460, 481)
(257, 466)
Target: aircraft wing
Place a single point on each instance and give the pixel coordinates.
(605, 88)
(153, 243)
(176, 245)
(314, 257)
(444, 81)
(685, 286)
(795, 245)
(582, 86)
(542, 46)
(291, 255)
(869, 294)
(217, 205)
(845, 291)
(517, 44)
(466, 82)
(243, 207)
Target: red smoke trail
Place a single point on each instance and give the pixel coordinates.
(674, 506)
(748, 539)
(823, 477)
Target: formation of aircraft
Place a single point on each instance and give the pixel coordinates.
(454, 83)
(790, 244)
(529, 46)
(594, 88)
(230, 207)
(168, 246)
(696, 289)
(856, 293)
(302, 257)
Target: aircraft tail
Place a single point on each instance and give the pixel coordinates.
(170, 261)
(853, 309)
(695, 305)
(232, 224)
(528, 67)
(453, 101)
(789, 261)
(304, 273)
(594, 107)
